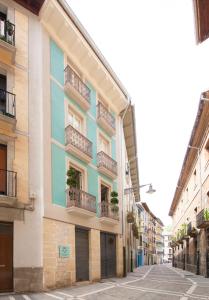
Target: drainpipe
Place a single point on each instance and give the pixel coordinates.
(122, 212)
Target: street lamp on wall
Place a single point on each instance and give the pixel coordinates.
(150, 189)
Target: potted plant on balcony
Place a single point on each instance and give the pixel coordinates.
(193, 232)
(135, 230)
(114, 202)
(130, 217)
(9, 28)
(206, 214)
(71, 180)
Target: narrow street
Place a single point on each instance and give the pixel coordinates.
(156, 282)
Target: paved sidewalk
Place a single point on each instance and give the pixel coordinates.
(158, 282)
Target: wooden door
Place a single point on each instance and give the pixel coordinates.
(3, 168)
(6, 257)
(82, 254)
(108, 255)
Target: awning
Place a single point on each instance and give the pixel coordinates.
(131, 147)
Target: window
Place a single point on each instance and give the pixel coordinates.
(206, 154)
(105, 191)
(195, 179)
(3, 167)
(80, 176)
(78, 179)
(2, 24)
(104, 144)
(3, 85)
(74, 119)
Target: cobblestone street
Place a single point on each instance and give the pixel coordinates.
(156, 282)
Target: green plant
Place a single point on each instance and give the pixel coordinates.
(114, 198)
(206, 214)
(130, 217)
(10, 28)
(135, 230)
(114, 202)
(183, 229)
(71, 177)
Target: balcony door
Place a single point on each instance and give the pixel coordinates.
(3, 85)
(104, 145)
(104, 193)
(75, 120)
(3, 168)
(3, 18)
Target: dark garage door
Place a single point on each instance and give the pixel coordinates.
(6, 257)
(82, 254)
(108, 255)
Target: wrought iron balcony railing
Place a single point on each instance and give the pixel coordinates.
(191, 231)
(104, 113)
(7, 32)
(81, 199)
(7, 104)
(76, 139)
(104, 160)
(108, 211)
(201, 221)
(8, 183)
(77, 83)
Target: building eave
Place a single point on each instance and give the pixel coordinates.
(31, 5)
(131, 147)
(198, 132)
(66, 30)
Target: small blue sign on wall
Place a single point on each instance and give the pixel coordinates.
(64, 251)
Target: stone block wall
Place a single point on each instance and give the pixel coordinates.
(94, 255)
(58, 272)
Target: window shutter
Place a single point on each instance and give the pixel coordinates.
(202, 19)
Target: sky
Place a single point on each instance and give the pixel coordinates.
(151, 46)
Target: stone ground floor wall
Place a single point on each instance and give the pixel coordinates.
(192, 254)
(61, 271)
(27, 275)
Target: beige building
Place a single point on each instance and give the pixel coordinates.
(190, 205)
(20, 237)
(153, 239)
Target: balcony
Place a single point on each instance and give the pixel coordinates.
(7, 107)
(191, 231)
(77, 144)
(7, 42)
(80, 203)
(8, 188)
(76, 89)
(105, 119)
(201, 221)
(106, 165)
(107, 214)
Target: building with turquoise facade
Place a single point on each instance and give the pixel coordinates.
(80, 156)
(89, 137)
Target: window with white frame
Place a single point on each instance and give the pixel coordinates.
(195, 179)
(75, 120)
(104, 144)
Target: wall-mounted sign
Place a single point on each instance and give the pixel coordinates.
(64, 251)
